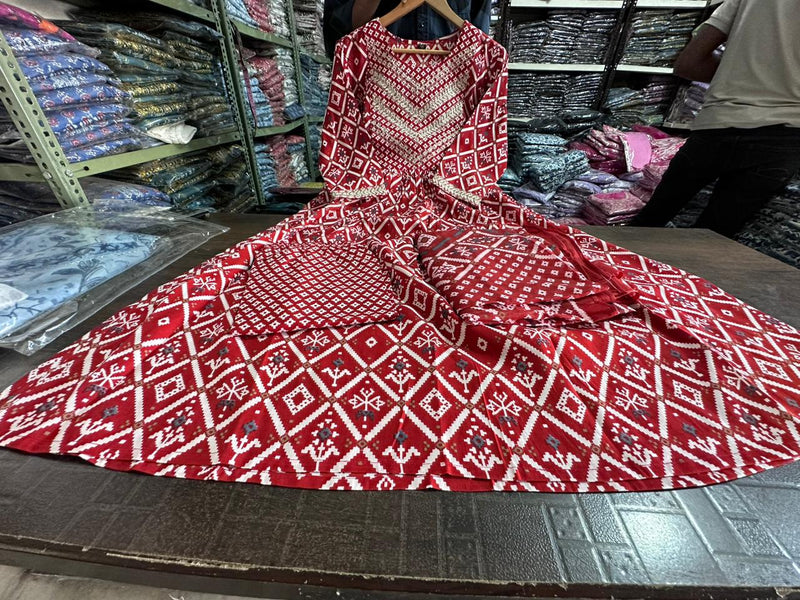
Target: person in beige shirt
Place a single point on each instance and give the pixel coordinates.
(747, 135)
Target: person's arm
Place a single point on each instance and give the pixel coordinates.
(698, 61)
(363, 11)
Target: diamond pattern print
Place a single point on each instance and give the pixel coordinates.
(661, 381)
(297, 287)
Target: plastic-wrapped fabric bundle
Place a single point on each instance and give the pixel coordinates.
(547, 95)
(658, 36)
(308, 21)
(281, 162)
(315, 141)
(285, 62)
(564, 36)
(647, 105)
(24, 200)
(171, 67)
(237, 10)
(611, 208)
(775, 230)
(270, 80)
(84, 104)
(58, 269)
(688, 102)
(194, 180)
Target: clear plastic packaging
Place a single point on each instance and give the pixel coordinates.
(59, 269)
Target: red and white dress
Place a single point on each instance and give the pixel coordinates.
(415, 328)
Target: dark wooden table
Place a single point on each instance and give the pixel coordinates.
(62, 515)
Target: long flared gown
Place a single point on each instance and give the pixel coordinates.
(414, 327)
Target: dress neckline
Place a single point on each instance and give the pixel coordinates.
(452, 42)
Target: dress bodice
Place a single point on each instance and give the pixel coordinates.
(416, 118)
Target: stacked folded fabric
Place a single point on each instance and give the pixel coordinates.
(315, 141)
(688, 102)
(233, 189)
(564, 36)
(546, 95)
(281, 162)
(646, 105)
(658, 36)
(611, 208)
(544, 160)
(308, 22)
(316, 83)
(510, 181)
(266, 16)
(285, 61)
(20, 201)
(84, 103)
(776, 229)
(170, 65)
(190, 180)
(270, 80)
(261, 112)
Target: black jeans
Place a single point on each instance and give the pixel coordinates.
(751, 166)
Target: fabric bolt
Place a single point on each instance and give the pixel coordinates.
(661, 382)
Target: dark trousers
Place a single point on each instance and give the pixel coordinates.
(751, 166)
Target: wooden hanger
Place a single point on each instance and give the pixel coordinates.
(407, 6)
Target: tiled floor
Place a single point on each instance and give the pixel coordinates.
(745, 533)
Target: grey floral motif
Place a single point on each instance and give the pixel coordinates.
(250, 427)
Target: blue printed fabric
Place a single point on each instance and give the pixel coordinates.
(106, 148)
(47, 65)
(53, 264)
(70, 79)
(85, 94)
(25, 42)
(69, 120)
(104, 131)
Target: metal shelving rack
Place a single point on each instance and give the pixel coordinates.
(612, 64)
(64, 178)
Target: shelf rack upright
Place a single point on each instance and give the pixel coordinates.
(50, 164)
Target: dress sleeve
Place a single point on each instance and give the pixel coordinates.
(344, 154)
(480, 153)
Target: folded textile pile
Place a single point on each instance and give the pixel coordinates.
(646, 105)
(546, 95)
(544, 160)
(611, 208)
(510, 180)
(316, 84)
(564, 36)
(266, 16)
(258, 79)
(283, 58)
(308, 22)
(281, 163)
(270, 80)
(688, 102)
(567, 202)
(190, 180)
(233, 188)
(20, 201)
(84, 103)
(776, 229)
(658, 36)
(315, 141)
(171, 67)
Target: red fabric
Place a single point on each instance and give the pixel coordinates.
(691, 387)
(313, 286)
(496, 278)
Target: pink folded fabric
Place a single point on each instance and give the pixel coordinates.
(638, 151)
